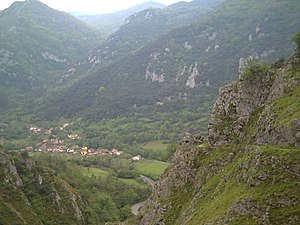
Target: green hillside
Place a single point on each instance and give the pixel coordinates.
(172, 82)
(248, 172)
(110, 23)
(31, 194)
(36, 44)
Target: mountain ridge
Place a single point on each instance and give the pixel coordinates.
(236, 181)
(111, 22)
(180, 70)
(32, 194)
(36, 36)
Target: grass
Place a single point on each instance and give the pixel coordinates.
(152, 169)
(134, 182)
(156, 145)
(287, 107)
(97, 172)
(221, 188)
(91, 171)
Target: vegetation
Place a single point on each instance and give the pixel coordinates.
(105, 196)
(154, 110)
(254, 68)
(152, 169)
(287, 107)
(37, 45)
(228, 185)
(111, 101)
(296, 39)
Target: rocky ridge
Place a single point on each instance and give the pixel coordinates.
(34, 195)
(251, 102)
(248, 173)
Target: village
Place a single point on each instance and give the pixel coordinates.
(56, 145)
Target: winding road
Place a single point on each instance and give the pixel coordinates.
(135, 208)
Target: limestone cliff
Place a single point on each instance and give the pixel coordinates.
(249, 171)
(34, 195)
(259, 107)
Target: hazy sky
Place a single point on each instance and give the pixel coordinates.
(89, 6)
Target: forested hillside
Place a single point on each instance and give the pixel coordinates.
(57, 189)
(110, 23)
(180, 73)
(36, 44)
(248, 172)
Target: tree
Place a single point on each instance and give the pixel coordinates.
(296, 39)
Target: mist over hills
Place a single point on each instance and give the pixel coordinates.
(111, 22)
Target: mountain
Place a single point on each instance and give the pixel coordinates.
(248, 172)
(110, 23)
(32, 194)
(172, 81)
(146, 26)
(36, 42)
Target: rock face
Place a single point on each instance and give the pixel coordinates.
(245, 109)
(183, 172)
(224, 185)
(232, 179)
(33, 195)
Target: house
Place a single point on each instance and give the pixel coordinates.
(73, 136)
(29, 148)
(75, 147)
(137, 158)
(35, 130)
(115, 152)
(102, 152)
(32, 129)
(64, 126)
(84, 151)
(48, 131)
(56, 141)
(91, 151)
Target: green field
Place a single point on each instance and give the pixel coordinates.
(158, 150)
(91, 171)
(157, 145)
(97, 172)
(152, 169)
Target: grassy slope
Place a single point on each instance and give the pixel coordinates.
(287, 107)
(227, 186)
(152, 169)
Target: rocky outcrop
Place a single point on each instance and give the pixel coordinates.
(9, 174)
(244, 110)
(31, 194)
(217, 185)
(234, 180)
(183, 172)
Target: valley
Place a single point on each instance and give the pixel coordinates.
(93, 108)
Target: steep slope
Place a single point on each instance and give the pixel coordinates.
(183, 69)
(261, 107)
(242, 183)
(141, 28)
(31, 194)
(36, 42)
(110, 23)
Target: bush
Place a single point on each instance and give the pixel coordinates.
(254, 67)
(296, 39)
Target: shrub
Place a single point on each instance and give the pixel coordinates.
(296, 39)
(254, 67)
